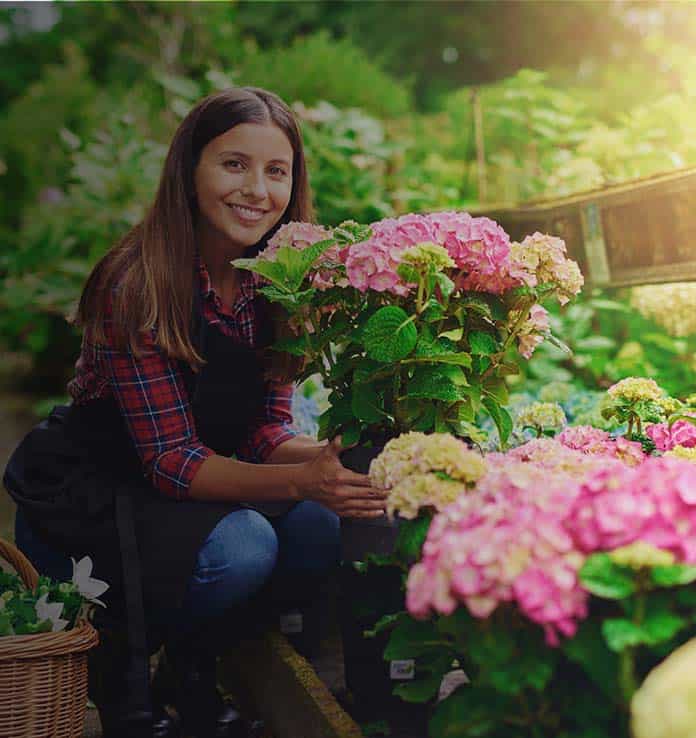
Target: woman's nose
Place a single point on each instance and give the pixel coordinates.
(254, 184)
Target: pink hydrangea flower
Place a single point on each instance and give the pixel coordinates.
(372, 264)
(682, 433)
(481, 250)
(594, 441)
(533, 331)
(522, 535)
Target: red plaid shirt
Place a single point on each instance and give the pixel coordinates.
(153, 399)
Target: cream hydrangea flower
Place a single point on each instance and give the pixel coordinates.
(633, 389)
(669, 305)
(665, 704)
(424, 255)
(422, 490)
(424, 470)
(544, 415)
(680, 452)
(641, 555)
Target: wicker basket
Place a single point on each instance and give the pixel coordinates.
(43, 677)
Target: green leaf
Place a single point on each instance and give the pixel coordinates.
(673, 576)
(500, 416)
(595, 343)
(602, 577)
(620, 633)
(419, 690)
(411, 537)
(384, 623)
(271, 270)
(366, 403)
(482, 343)
(460, 358)
(662, 626)
(497, 388)
(350, 435)
(445, 284)
(289, 300)
(587, 648)
(431, 383)
(412, 638)
(470, 713)
(295, 345)
(389, 335)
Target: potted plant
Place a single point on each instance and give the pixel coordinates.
(413, 324)
(555, 575)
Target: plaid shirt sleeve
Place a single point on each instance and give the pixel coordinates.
(154, 403)
(272, 427)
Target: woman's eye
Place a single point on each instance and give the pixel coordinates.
(233, 163)
(277, 171)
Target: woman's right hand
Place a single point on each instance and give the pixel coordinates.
(324, 479)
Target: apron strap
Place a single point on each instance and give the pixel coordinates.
(138, 672)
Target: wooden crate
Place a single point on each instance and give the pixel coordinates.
(639, 232)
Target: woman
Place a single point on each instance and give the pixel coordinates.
(173, 380)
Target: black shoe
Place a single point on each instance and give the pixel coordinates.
(202, 709)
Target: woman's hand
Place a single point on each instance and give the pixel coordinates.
(349, 494)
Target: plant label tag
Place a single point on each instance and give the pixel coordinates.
(291, 622)
(450, 682)
(402, 669)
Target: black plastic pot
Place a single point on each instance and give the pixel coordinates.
(364, 598)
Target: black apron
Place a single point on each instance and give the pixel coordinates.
(78, 478)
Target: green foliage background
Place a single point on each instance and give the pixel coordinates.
(90, 94)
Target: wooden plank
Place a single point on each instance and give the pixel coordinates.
(286, 690)
(639, 232)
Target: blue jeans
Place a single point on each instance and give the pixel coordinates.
(288, 555)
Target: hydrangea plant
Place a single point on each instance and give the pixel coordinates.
(414, 322)
(556, 574)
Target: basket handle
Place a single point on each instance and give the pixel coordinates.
(20, 563)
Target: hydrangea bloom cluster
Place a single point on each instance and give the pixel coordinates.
(634, 389)
(654, 503)
(373, 264)
(594, 441)
(299, 236)
(669, 305)
(546, 415)
(425, 471)
(682, 433)
(426, 255)
(504, 542)
(524, 532)
(552, 456)
(544, 258)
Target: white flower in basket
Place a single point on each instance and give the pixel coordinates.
(50, 611)
(87, 586)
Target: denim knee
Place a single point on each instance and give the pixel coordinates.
(310, 539)
(234, 562)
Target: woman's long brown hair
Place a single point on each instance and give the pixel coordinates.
(149, 275)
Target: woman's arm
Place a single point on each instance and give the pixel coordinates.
(296, 450)
(322, 479)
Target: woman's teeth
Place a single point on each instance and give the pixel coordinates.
(248, 213)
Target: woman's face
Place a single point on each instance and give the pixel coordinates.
(243, 183)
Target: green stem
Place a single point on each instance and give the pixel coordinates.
(629, 433)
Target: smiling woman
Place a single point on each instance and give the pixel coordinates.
(174, 379)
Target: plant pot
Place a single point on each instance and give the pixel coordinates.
(362, 536)
(364, 598)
